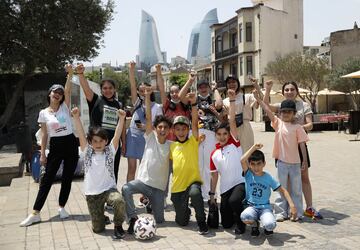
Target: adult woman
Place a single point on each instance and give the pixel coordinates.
(55, 123)
(102, 110)
(243, 111)
(303, 117)
(135, 141)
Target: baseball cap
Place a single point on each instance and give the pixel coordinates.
(56, 87)
(201, 82)
(288, 105)
(181, 120)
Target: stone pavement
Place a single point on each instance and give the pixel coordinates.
(335, 175)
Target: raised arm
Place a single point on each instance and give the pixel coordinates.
(89, 94)
(119, 127)
(266, 98)
(148, 128)
(133, 88)
(160, 83)
(194, 115)
(245, 157)
(68, 85)
(217, 98)
(186, 87)
(264, 106)
(79, 128)
(232, 122)
(256, 85)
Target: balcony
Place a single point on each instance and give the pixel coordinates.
(227, 52)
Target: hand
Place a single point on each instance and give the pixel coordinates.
(121, 113)
(212, 200)
(268, 84)
(132, 65)
(202, 138)
(293, 212)
(213, 110)
(256, 95)
(231, 93)
(257, 146)
(191, 98)
(214, 86)
(75, 112)
(253, 81)
(43, 160)
(79, 69)
(304, 165)
(69, 69)
(192, 76)
(148, 90)
(123, 149)
(158, 67)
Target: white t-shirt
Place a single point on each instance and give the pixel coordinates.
(226, 161)
(239, 105)
(154, 168)
(99, 172)
(57, 123)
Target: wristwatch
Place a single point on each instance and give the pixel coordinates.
(211, 193)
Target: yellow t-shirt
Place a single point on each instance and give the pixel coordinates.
(185, 164)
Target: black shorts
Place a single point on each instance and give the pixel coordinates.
(301, 159)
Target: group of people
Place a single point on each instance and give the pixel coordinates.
(195, 138)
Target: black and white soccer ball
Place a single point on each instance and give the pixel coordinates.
(144, 228)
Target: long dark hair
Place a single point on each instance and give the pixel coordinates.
(112, 82)
(96, 131)
(140, 103)
(288, 83)
(232, 77)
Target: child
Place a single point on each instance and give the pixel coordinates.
(99, 180)
(224, 160)
(289, 136)
(186, 180)
(153, 173)
(258, 184)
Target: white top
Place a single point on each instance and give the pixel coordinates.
(154, 167)
(57, 123)
(99, 173)
(302, 110)
(156, 109)
(226, 161)
(239, 105)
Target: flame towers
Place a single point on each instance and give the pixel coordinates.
(149, 46)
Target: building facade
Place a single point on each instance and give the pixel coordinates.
(246, 43)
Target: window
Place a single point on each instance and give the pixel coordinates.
(295, 36)
(241, 65)
(219, 44)
(233, 69)
(213, 45)
(249, 65)
(219, 71)
(240, 32)
(233, 40)
(248, 32)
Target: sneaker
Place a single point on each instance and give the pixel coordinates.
(203, 228)
(312, 213)
(107, 220)
(119, 232)
(131, 225)
(31, 219)
(255, 230)
(143, 201)
(280, 218)
(240, 229)
(267, 233)
(62, 213)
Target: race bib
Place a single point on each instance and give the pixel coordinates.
(110, 117)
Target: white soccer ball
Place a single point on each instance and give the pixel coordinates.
(144, 228)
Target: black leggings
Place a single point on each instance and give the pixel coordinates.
(231, 206)
(61, 148)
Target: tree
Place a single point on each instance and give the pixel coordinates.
(122, 82)
(44, 35)
(178, 78)
(94, 76)
(306, 70)
(347, 85)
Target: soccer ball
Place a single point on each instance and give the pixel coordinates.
(144, 228)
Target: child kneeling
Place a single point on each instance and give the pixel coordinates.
(258, 191)
(99, 180)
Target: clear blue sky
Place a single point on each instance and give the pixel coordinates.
(175, 19)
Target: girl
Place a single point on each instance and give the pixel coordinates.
(55, 123)
(99, 180)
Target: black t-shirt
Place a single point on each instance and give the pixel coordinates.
(103, 113)
(208, 121)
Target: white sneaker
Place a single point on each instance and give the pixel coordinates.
(31, 219)
(62, 213)
(165, 203)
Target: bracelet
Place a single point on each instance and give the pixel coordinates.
(211, 193)
(194, 104)
(232, 100)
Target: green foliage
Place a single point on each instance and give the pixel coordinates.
(94, 76)
(122, 83)
(178, 78)
(347, 85)
(44, 35)
(307, 71)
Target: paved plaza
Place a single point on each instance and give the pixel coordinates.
(335, 175)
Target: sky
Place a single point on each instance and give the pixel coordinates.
(175, 20)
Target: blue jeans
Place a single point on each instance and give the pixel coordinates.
(264, 215)
(289, 173)
(156, 197)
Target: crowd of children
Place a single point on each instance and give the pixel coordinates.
(167, 139)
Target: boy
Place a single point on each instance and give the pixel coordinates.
(258, 184)
(99, 180)
(186, 180)
(153, 171)
(289, 137)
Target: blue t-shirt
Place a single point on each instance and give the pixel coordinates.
(258, 189)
